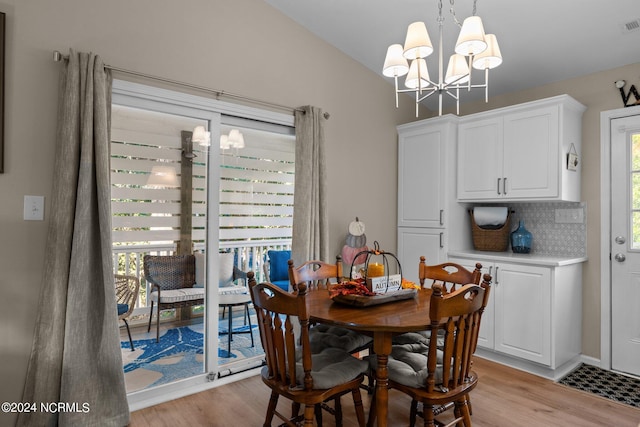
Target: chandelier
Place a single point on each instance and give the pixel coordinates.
(474, 49)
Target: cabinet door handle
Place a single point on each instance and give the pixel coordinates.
(499, 179)
(490, 269)
(496, 278)
(441, 216)
(504, 185)
(441, 240)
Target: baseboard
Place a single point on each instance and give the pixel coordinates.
(530, 367)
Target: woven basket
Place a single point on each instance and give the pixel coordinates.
(496, 240)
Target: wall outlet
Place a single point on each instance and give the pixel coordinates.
(33, 208)
(570, 216)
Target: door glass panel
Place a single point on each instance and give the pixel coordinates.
(635, 190)
(256, 215)
(158, 203)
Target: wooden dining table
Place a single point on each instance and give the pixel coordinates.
(381, 321)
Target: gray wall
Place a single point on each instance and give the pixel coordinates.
(244, 47)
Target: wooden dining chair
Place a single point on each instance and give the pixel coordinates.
(450, 274)
(319, 275)
(438, 374)
(291, 370)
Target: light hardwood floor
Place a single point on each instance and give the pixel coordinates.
(504, 397)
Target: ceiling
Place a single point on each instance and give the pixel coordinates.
(541, 41)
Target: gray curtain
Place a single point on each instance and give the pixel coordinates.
(310, 223)
(76, 358)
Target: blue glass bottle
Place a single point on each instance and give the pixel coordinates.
(521, 239)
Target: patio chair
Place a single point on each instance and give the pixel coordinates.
(127, 289)
(171, 278)
(276, 269)
(292, 371)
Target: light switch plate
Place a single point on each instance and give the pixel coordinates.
(33, 208)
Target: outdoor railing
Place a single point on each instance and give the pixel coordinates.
(248, 257)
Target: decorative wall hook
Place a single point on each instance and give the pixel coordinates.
(620, 84)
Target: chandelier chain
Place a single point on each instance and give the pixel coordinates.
(453, 13)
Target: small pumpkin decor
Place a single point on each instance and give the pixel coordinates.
(356, 242)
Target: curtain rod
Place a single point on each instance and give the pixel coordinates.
(58, 56)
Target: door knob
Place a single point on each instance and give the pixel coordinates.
(620, 257)
(620, 240)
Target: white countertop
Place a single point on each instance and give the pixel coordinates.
(532, 259)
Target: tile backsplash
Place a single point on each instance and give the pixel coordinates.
(550, 238)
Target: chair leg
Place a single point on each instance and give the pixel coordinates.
(413, 413)
(246, 309)
(372, 410)
(150, 317)
(158, 323)
(462, 411)
(357, 402)
(128, 333)
(429, 418)
(230, 333)
(317, 410)
(271, 409)
(309, 412)
(337, 407)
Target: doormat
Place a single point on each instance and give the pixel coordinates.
(613, 386)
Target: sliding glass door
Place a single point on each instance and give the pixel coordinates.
(172, 195)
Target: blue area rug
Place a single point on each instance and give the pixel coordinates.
(179, 354)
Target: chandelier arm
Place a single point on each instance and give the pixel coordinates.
(396, 81)
(486, 85)
(431, 92)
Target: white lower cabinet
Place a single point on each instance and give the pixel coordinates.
(414, 242)
(534, 312)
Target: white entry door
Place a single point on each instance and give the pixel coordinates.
(625, 244)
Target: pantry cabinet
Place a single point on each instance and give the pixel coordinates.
(534, 312)
(426, 191)
(520, 152)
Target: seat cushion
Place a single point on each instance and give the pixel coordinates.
(225, 274)
(233, 290)
(178, 295)
(332, 367)
(282, 284)
(407, 364)
(278, 265)
(323, 336)
(122, 309)
(418, 337)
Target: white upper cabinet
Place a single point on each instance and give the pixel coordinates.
(520, 152)
(422, 172)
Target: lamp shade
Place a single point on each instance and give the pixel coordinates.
(163, 176)
(394, 63)
(457, 70)
(418, 77)
(491, 57)
(201, 136)
(417, 44)
(471, 38)
(224, 142)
